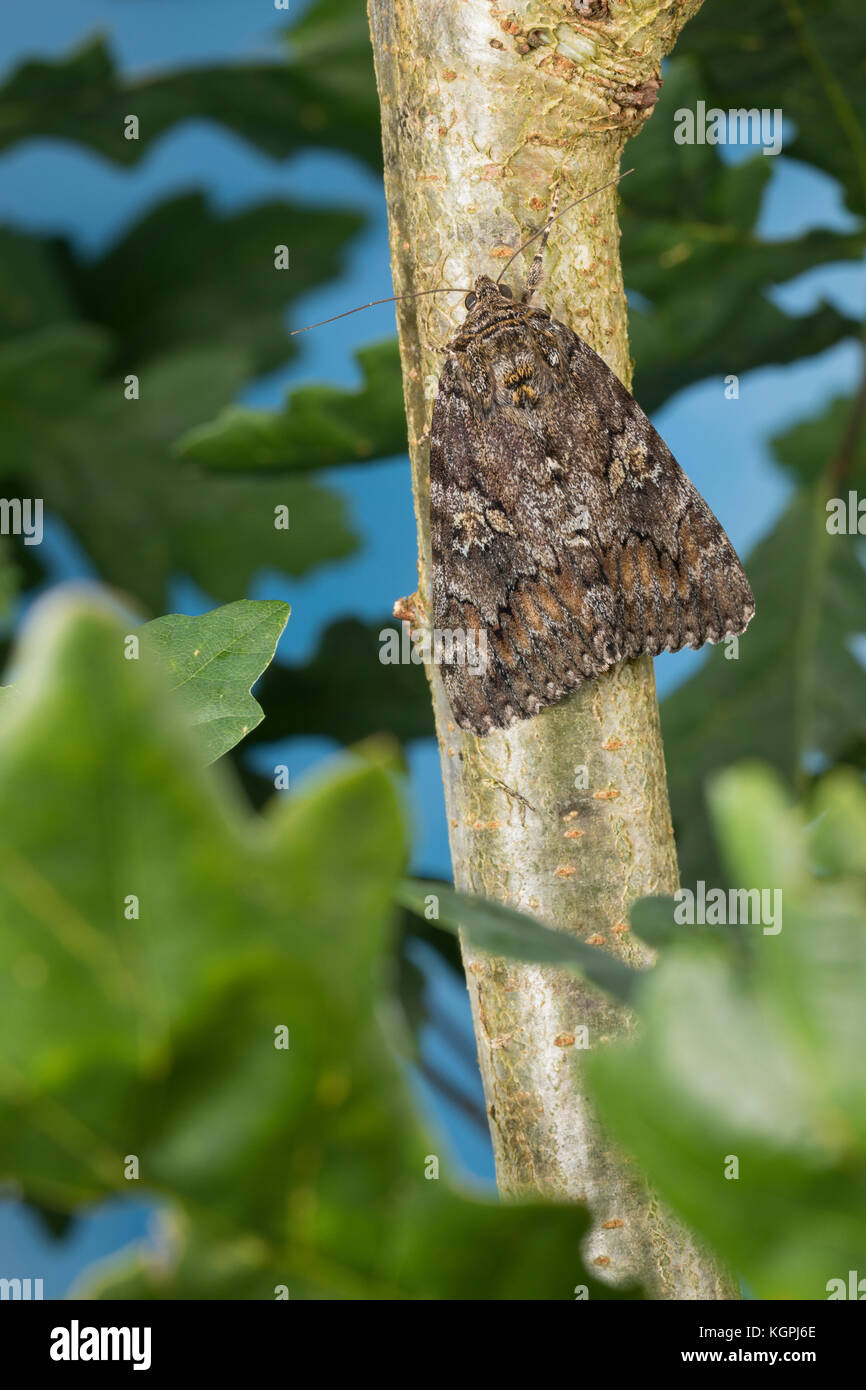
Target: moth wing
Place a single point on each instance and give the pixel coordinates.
(567, 535)
(674, 574)
(500, 580)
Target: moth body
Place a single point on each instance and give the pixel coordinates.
(563, 528)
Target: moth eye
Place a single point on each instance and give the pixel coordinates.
(506, 291)
(471, 300)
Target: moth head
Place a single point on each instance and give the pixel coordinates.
(487, 293)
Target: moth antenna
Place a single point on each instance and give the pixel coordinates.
(391, 299)
(545, 230)
(535, 270)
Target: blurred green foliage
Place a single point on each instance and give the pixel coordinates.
(320, 426)
(692, 249)
(323, 94)
(231, 1029)
(211, 663)
(155, 1036)
(743, 1094)
(804, 56)
(795, 696)
(307, 699)
(759, 1058)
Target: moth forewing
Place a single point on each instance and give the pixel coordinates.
(562, 526)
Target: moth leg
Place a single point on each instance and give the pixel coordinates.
(408, 610)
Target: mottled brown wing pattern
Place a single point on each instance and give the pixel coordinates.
(562, 526)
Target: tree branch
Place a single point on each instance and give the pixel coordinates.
(483, 109)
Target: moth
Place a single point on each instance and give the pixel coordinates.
(566, 537)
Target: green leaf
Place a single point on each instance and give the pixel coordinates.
(762, 1064)
(838, 839)
(758, 828)
(806, 449)
(322, 94)
(34, 292)
(10, 581)
(653, 920)
(692, 250)
(318, 427)
(662, 922)
(103, 463)
(202, 278)
(805, 58)
(212, 661)
(501, 930)
(151, 1032)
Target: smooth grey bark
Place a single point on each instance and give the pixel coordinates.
(483, 110)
